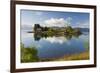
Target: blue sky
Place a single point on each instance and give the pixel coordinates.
(54, 18)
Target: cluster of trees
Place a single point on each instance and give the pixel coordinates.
(52, 31)
(70, 30)
(37, 26)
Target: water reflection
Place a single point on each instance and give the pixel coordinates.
(39, 36)
(57, 46)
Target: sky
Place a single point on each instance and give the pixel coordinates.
(54, 18)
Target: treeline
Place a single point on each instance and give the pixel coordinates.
(55, 30)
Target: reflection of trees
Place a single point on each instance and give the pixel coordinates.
(38, 36)
(68, 37)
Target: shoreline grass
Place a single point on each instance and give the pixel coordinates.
(80, 56)
(29, 54)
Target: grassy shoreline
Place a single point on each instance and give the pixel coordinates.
(29, 54)
(80, 56)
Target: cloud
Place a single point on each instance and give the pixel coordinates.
(82, 24)
(68, 20)
(57, 22)
(59, 40)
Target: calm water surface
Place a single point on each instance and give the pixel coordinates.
(55, 46)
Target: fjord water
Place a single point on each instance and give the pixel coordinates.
(55, 46)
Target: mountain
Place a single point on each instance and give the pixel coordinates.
(83, 29)
(26, 27)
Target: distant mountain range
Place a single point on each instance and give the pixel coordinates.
(26, 27)
(81, 29)
(84, 29)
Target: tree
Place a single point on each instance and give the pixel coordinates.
(36, 26)
(45, 28)
(69, 30)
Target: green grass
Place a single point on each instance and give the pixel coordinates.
(28, 54)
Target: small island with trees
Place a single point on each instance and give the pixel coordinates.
(55, 31)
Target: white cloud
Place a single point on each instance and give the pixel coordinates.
(59, 40)
(83, 25)
(57, 22)
(68, 20)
